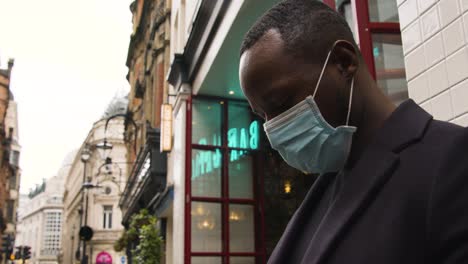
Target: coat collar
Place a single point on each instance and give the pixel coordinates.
(405, 126)
(408, 117)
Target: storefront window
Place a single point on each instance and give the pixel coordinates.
(206, 227)
(206, 122)
(242, 130)
(241, 228)
(241, 175)
(206, 173)
(242, 260)
(379, 35)
(242, 192)
(390, 66)
(206, 260)
(383, 11)
(345, 9)
(225, 145)
(284, 190)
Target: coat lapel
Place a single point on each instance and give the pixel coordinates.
(361, 185)
(404, 127)
(369, 175)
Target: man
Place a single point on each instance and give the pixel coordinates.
(394, 183)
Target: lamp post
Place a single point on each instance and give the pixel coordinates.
(104, 149)
(85, 156)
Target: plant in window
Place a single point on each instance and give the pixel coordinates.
(143, 232)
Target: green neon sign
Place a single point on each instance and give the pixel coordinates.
(242, 138)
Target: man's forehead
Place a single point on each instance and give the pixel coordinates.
(270, 41)
(264, 54)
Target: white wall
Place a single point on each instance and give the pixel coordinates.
(177, 161)
(435, 43)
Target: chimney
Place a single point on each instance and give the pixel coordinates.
(11, 62)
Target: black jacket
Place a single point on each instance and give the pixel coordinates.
(405, 200)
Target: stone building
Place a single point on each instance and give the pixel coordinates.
(148, 63)
(104, 172)
(40, 219)
(9, 154)
(5, 75)
(14, 177)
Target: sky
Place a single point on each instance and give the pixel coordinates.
(69, 63)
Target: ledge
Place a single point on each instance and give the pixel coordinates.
(184, 67)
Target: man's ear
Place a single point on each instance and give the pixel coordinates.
(345, 57)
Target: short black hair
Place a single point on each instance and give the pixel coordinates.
(308, 28)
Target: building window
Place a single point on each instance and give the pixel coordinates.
(222, 216)
(107, 217)
(52, 234)
(12, 184)
(380, 42)
(10, 210)
(14, 158)
(55, 200)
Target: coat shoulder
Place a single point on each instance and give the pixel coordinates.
(441, 134)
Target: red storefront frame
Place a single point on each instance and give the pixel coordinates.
(366, 28)
(224, 200)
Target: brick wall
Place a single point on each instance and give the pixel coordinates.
(435, 44)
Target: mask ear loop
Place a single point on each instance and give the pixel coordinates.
(350, 101)
(320, 79)
(323, 71)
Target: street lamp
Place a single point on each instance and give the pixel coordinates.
(104, 149)
(85, 156)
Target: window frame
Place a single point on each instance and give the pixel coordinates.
(107, 216)
(224, 200)
(366, 28)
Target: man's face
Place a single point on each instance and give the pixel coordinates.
(273, 80)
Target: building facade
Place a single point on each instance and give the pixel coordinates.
(14, 177)
(40, 220)
(96, 206)
(148, 63)
(5, 75)
(10, 171)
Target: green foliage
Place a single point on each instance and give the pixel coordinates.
(149, 250)
(121, 243)
(142, 229)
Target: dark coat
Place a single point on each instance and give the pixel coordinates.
(405, 200)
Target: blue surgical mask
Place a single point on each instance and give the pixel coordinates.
(306, 141)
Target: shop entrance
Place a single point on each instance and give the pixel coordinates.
(241, 193)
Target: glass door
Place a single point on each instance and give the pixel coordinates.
(224, 217)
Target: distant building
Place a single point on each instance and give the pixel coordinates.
(40, 219)
(20, 229)
(96, 207)
(9, 154)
